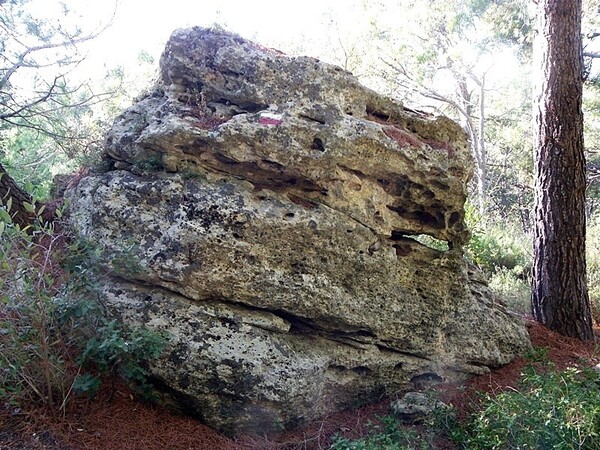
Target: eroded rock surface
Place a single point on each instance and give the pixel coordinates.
(272, 211)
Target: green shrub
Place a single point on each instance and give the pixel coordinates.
(53, 328)
(492, 248)
(35, 363)
(509, 285)
(551, 410)
(593, 266)
(389, 435)
(116, 349)
(106, 345)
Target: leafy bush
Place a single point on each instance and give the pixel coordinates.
(34, 359)
(551, 410)
(390, 435)
(509, 285)
(505, 255)
(116, 349)
(492, 248)
(593, 266)
(53, 328)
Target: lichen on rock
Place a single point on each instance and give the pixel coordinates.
(278, 210)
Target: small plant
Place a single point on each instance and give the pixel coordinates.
(505, 255)
(55, 336)
(118, 350)
(107, 346)
(593, 266)
(539, 355)
(550, 410)
(34, 360)
(153, 162)
(205, 117)
(389, 435)
(509, 285)
(493, 248)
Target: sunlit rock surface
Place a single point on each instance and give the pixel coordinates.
(298, 235)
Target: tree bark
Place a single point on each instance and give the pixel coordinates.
(559, 292)
(10, 190)
(481, 150)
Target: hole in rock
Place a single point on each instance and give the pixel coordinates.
(225, 159)
(429, 195)
(431, 242)
(454, 217)
(184, 381)
(405, 238)
(337, 368)
(377, 114)
(420, 216)
(363, 333)
(426, 380)
(267, 164)
(302, 201)
(361, 370)
(402, 250)
(254, 107)
(312, 119)
(317, 144)
(191, 162)
(439, 185)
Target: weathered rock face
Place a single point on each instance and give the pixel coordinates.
(271, 209)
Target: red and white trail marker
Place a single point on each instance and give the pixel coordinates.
(267, 118)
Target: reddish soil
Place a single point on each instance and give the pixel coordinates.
(124, 423)
(562, 351)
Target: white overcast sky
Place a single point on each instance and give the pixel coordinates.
(147, 24)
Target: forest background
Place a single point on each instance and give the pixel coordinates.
(67, 69)
(467, 59)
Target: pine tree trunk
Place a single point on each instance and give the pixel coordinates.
(10, 190)
(559, 293)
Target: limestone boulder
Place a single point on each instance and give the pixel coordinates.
(298, 235)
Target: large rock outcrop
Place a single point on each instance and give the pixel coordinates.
(298, 235)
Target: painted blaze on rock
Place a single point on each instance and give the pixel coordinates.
(277, 209)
